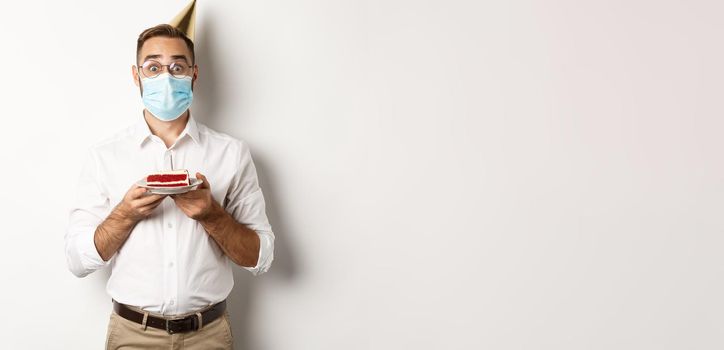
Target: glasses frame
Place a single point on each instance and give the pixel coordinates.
(167, 67)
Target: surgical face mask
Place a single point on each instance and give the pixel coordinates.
(166, 96)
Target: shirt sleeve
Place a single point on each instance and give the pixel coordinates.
(245, 203)
(90, 208)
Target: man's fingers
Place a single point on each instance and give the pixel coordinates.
(205, 183)
(148, 207)
(137, 191)
(151, 198)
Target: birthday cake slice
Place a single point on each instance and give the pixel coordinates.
(172, 178)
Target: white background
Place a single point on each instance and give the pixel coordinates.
(439, 174)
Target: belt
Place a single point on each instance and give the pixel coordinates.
(172, 325)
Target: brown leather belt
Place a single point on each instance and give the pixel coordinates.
(172, 325)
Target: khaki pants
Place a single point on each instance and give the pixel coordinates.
(123, 334)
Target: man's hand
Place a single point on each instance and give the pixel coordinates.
(239, 243)
(115, 229)
(198, 204)
(137, 204)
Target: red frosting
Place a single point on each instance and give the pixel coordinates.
(166, 178)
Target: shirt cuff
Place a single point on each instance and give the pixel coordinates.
(83, 255)
(266, 253)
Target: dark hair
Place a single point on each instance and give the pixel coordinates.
(165, 30)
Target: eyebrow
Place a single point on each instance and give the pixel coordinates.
(173, 57)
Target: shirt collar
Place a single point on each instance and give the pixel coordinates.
(143, 131)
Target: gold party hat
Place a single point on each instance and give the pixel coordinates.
(185, 21)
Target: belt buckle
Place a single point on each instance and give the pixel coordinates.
(179, 321)
(170, 331)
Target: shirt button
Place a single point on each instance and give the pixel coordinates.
(171, 302)
(170, 264)
(169, 225)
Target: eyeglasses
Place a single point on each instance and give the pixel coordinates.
(152, 69)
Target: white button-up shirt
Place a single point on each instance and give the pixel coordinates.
(169, 264)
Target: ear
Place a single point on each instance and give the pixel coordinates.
(134, 74)
(195, 76)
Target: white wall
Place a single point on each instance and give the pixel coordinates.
(440, 175)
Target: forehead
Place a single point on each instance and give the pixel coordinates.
(164, 46)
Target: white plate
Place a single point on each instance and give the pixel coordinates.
(170, 190)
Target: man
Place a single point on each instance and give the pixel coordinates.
(169, 254)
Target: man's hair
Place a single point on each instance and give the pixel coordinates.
(164, 30)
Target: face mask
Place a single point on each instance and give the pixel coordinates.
(166, 96)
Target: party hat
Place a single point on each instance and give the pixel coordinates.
(185, 21)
